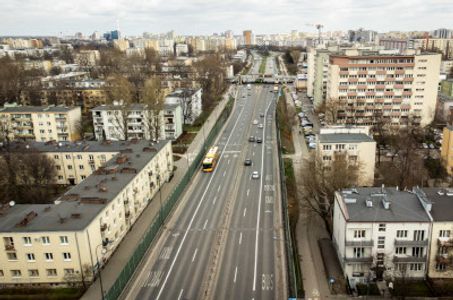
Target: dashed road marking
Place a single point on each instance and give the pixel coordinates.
(155, 278)
(240, 238)
(194, 254)
(165, 254)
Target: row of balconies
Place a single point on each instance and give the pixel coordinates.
(397, 242)
(396, 259)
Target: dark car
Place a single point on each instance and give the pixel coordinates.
(262, 115)
(248, 162)
(259, 140)
(251, 139)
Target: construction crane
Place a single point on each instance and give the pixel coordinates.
(318, 27)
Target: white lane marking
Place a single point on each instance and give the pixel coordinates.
(259, 210)
(240, 238)
(245, 211)
(218, 190)
(195, 213)
(248, 192)
(214, 200)
(205, 224)
(180, 294)
(224, 173)
(228, 162)
(194, 254)
(235, 274)
(253, 153)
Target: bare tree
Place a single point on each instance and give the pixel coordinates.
(331, 108)
(321, 179)
(153, 97)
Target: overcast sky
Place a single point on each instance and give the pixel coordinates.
(50, 17)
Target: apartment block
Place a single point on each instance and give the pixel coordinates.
(446, 151)
(369, 87)
(354, 142)
(51, 123)
(173, 119)
(117, 123)
(381, 233)
(190, 101)
(433, 44)
(53, 244)
(319, 75)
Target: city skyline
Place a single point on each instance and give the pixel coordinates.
(50, 17)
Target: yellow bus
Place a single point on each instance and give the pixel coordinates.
(210, 160)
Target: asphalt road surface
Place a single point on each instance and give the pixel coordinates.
(225, 239)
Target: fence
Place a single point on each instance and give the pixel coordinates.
(295, 287)
(126, 274)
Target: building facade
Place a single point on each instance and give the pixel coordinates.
(68, 241)
(354, 142)
(381, 233)
(370, 87)
(173, 118)
(190, 102)
(51, 123)
(446, 151)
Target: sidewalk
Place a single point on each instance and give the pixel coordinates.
(128, 245)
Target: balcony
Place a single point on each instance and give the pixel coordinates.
(409, 259)
(365, 259)
(9, 247)
(444, 259)
(398, 86)
(371, 80)
(353, 79)
(368, 243)
(60, 118)
(380, 72)
(411, 243)
(445, 242)
(399, 72)
(408, 79)
(103, 227)
(407, 93)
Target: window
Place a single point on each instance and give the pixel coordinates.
(443, 250)
(352, 147)
(60, 177)
(326, 157)
(16, 273)
(400, 250)
(440, 267)
(48, 256)
(33, 273)
(419, 235)
(381, 227)
(67, 256)
(79, 156)
(30, 257)
(11, 256)
(416, 267)
(401, 233)
(45, 240)
(27, 240)
(55, 156)
(401, 267)
(417, 251)
(359, 252)
(359, 233)
(81, 167)
(68, 271)
(326, 147)
(64, 240)
(339, 147)
(69, 167)
(381, 242)
(83, 177)
(68, 156)
(1, 273)
(58, 167)
(444, 233)
(51, 272)
(91, 157)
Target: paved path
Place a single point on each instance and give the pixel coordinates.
(122, 254)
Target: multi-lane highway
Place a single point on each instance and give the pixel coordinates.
(225, 239)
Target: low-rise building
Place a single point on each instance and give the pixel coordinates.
(56, 244)
(446, 151)
(381, 233)
(190, 101)
(173, 119)
(355, 142)
(51, 123)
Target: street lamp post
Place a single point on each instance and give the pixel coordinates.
(99, 271)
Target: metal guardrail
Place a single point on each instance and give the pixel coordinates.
(126, 274)
(295, 286)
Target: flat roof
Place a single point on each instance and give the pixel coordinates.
(82, 203)
(31, 109)
(404, 206)
(442, 203)
(344, 138)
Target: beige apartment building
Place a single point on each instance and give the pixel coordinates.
(53, 244)
(356, 142)
(51, 123)
(368, 86)
(446, 151)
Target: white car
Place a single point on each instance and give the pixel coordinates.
(260, 126)
(255, 175)
(255, 122)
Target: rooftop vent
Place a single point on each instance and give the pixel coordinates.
(350, 200)
(369, 203)
(76, 215)
(30, 216)
(385, 202)
(441, 192)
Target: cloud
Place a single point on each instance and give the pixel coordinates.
(206, 16)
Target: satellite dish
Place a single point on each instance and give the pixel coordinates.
(12, 203)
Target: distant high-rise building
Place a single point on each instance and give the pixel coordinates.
(95, 36)
(78, 35)
(443, 33)
(229, 34)
(112, 35)
(248, 37)
(362, 35)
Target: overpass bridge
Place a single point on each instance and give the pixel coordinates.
(266, 79)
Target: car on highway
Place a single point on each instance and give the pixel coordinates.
(260, 126)
(262, 115)
(251, 138)
(255, 175)
(259, 140)
(247, 162)
(255, 122)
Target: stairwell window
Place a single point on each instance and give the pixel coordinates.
(381, 227)
(444, 233)
(359, 252)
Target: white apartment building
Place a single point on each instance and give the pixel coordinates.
(368, 86)
(355, 142)
(51, 123)
(381, 233)
(52, 244)
(190, 101)
(173, 119)
(109, 123)
(181, 49)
